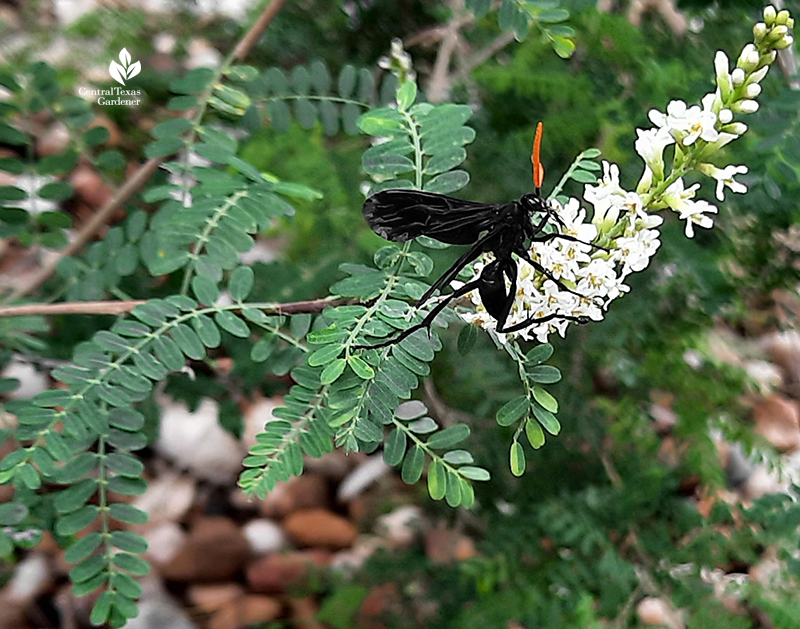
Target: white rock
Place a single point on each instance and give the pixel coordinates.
(256, 417)
(31, 381)
(158, 611)
(348, 561)
(69, 11)
(764, 481)
(31, 578)
(202, 55)
(167, 498)
(197, 442)
(400, 527)
(366, 473)
(264, 536)
(657, 611)
(766, 376)
(164, 541)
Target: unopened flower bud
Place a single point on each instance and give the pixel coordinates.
(787, 41)
(752, 90)
(760, 31)
(737, 77)
(725, 116)
(769, 15)
(782, 17)
(748, 59)
(745, 107)
(735, 128)
(790, 22)
(758, 75)
(779, 32)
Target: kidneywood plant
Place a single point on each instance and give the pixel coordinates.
(79, 440)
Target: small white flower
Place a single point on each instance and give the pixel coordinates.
(725, 177)
(650, 145)
(700, 124)
(693, 212)
(677, 197)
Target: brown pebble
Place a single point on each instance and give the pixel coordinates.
(215, 550)
(309, 491)
(278, 572)
(249, 610)
(778, 421)
(213, 597)
(320, 528)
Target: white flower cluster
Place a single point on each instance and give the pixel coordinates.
(587, 273)
(590, 277)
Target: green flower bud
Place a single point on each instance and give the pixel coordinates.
(760, 31)
(787, 41)
(782, 17)
(777, 33)
(769, 15)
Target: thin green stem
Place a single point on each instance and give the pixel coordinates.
(566, 177)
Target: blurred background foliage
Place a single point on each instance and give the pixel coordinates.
(608, 512)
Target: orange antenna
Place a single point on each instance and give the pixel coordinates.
(538, 169)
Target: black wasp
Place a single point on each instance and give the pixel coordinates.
(503, 229)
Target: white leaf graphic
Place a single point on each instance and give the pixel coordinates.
(117, 72)
(134, 69)
(125, 57)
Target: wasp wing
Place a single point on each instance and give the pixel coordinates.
(400, 215)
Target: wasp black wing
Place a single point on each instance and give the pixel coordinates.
(401, 215)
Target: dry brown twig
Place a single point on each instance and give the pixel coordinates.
(121, 307)
(140, 177)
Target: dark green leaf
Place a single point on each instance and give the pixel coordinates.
(412, 465)
(517, 457)
(437, 480)
(231, 323)
(395, 447)
(513, 410)
(77, 521)
(127, 513)
(448, 437)
(84, 547)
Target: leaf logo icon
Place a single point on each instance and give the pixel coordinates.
(125, 71)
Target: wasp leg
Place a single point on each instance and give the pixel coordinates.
(534, 320)
(524, 255)
(553, 236)
(450, 274)
(429, 318)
